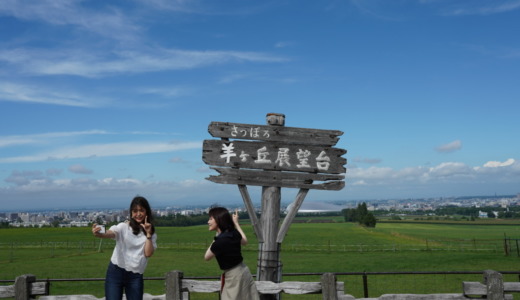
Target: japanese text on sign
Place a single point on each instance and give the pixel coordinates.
(252, 132)
(281, 158)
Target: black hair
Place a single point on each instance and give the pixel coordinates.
(141, 201)
(222, 217)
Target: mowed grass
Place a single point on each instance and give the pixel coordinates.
(59, 253)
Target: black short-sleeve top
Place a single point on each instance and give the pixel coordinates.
(227, 249)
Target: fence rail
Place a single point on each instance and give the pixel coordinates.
(29, 284)
(506, 245)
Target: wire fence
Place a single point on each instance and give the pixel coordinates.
(507, 246)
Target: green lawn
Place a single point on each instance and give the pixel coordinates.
(308, 248)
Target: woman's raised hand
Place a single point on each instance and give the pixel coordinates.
(235, 216)
(147, 226)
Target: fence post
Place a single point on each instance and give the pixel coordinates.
(328, 286)
(174, 285)
(494, 285)
(22, 286)
(365, 285)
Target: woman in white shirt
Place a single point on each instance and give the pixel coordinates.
(135, 242)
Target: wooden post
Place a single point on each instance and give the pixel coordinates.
(268, 255)
(328, 286)
(174, 285)
(22, 286)
(290, 216)
(494, 285)
(251, 212)
(269, 251)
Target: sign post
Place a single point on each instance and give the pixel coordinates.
(274, 156)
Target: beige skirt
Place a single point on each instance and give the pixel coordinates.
(238, 284)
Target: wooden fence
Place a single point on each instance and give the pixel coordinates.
(511, 246)
(177, 288)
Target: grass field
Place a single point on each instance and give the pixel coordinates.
(59, 253)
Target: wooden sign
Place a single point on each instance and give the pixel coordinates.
(271, 155)
(274, 133)
(274, 156)
(280, 179)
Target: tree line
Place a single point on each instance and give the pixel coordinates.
(360, 215)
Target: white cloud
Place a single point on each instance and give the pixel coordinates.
(497, 164)
(53, 172)
(359, 182)
(370, 173)
(79, 169)
(21, 178)
(441, 180)
(444, 172)
(235, 7)
(450, 147)
(484, 7)
(27, 93)
(169, 92)
(231, 78)
(103, 150)
(449, 169)
(44, 138)
(176, 160)
(367, 160)
(283, 44)
(108, 22)
(87, 63)
(204, 169)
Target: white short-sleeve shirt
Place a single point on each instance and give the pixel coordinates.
(129, 251)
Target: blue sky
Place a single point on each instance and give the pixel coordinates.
(103, 100)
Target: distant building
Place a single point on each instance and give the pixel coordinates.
(316, 207)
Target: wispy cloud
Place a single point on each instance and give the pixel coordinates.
(168, 92)
(233, 7)
(115, 24)
(367, 160)
(449, 147)
(498, 164)
(80, 169)
(103, 150)
(231, 78)
(44, 138)
(392, 10)
(14, 92)
(485, 7)
(108, 22)
(444, 172)
(283, 44)
(88, 64)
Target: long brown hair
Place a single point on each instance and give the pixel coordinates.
(136, 227)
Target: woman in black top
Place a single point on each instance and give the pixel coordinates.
(237, 281)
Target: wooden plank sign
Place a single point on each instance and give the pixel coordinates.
(275, 155)
(274, 133)
(281, 179)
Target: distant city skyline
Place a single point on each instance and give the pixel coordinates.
(104, 100)
(306, 205)
(83, 218)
